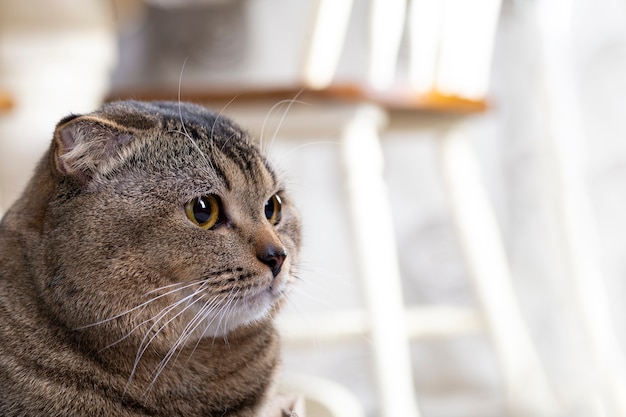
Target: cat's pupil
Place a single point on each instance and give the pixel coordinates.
(269, 209)
(273, 209)
(202, 210)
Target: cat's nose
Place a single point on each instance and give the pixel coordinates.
(273, 257)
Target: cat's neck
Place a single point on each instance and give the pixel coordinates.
(248, 358)
(235, 373)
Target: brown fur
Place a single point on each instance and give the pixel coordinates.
(98, 251)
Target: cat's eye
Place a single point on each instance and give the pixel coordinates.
(204, 211)
(273, 208)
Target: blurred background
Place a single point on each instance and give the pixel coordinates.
(464, 159)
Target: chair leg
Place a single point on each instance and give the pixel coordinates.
(373, 234)
(328, 32)
(579, 251)
(386, 18)
(564, 148)
(526, 385)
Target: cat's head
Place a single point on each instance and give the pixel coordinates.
(166, 225)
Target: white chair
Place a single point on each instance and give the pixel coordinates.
(463, 36)
(571, 204)
(445, 35)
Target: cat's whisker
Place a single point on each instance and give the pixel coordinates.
(308, 323)
(126, 336)
(187, 332)
(303, 294)
(141, 323)
(289, 152)
(180, 342)
(169, 308)
(217, 118)
(301, 291)
(145, 342)
(180, 82)
(320, 272)
(202, 320)
(220, 316)
(142, 305)
(164, 312)
(273, 112)
(182, 121)
(186, 135)
(182, 285)
(180, 110)
(200, 317)
(282, 119)
(230, 302)
(138, 325)
(265, 120)
(301, 314)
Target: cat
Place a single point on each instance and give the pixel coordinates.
(141, 269)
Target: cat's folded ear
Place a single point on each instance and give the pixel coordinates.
(90, 144)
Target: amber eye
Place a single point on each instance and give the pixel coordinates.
(204, 211)
(273, 208)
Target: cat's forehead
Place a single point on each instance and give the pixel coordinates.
(229, 160)
(208, 148)
(185, 118)
(190, 148)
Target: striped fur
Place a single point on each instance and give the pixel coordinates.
(112, 302)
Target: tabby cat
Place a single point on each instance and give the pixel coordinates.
(141, 269)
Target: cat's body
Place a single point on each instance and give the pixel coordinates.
(141, 268)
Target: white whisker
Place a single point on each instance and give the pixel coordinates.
(158, 316)
(180, 78)
(143, 347)
(220, 316)
(289, 153)
(175, 284)
(218, 116)
(182, 122)
(271, 112)
(142, 305)
(226, 312)
(282, 119)
(182, 339)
